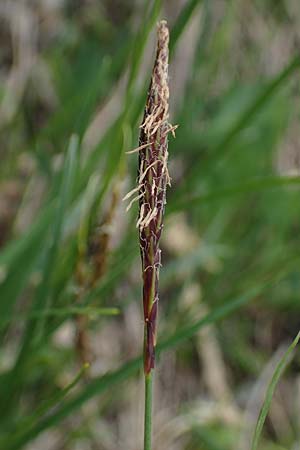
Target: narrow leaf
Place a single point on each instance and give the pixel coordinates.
(181, 22)
(270, 392)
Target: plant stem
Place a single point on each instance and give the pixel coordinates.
(148, 411)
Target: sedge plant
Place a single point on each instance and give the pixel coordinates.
(152, 182)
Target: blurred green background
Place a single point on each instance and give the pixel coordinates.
(73, 82)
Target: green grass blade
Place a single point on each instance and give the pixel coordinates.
(139, 45)
(270, 392)
(90, 311)
(181, 23)
(249, 186)
(61, 394)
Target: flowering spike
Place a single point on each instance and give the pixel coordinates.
(153, 178)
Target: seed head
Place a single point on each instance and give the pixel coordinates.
(152, 181)
(153, 178)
